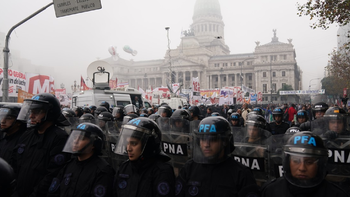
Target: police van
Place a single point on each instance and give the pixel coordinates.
(99, 72)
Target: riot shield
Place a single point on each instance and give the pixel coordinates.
(194, 125)
(275, 145)
(177, 142)
(338, 161)
(238, 133)
(74, 121)
(113, 132)
(252, 152)
(163, 124)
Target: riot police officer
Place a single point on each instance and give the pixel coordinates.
(304, 167)
(78, 111)
(146, 172)
(179, 121)
(38, 156)
(319, 109)
(99, 110)
(337, 123)
(258, 111)
(195, 113)
(86, 174)
(11, 128)
(93, 108)
(106, 122)
(105, 104)
(278, 126)
(256, 132)
(87, 118)
(86, 110)
(165, 111)
(301, 118)
(130, 109)
(212, 172)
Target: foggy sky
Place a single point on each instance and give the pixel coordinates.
(69, 44)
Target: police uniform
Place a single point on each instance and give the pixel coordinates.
(281, 187)
(227, 178)
(37, 159)
(91, 177)
(8, 143)
(148, 178)
(278, 129)
(149, 174)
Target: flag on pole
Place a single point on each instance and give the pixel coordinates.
(83, 85)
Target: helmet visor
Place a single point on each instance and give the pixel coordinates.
(33, 112)
(132, 136)
(6, 118)
(79, 142)
(210, 148)
(304, 171)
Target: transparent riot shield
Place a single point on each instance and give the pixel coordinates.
(163, 124)
(252, 152)
(177, 142)
(275, 145)
(238, 133)
(194, 125)
(112, 136)
(338, 165)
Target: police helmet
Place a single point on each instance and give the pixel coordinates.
(339, 118)
(40, 103)
(229, 112)
(106, 116)
(68, 113)
(154, 117)
(7, 180)
(143, 115)
(256, 120)
(87, 110)
(105, 104)
(99, 110)
(166, 110)
(305, 149)
(277, 111)
(78, 111)
(129, 117)
(213, 129)
(150, 111)
(85, 131)
(118, 113)
(145, 130)
(302, 114)
(130, 108)
(320, 106)
(181, 114)
(194, 111)
(8, 112)
(259, 111)
(235, 116)
(87, 118)
(215, 114)
(92, 107)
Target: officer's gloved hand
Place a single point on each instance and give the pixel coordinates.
(330, 135)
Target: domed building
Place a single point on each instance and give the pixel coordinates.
(203, 53)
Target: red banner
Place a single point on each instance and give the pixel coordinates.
(83, 85)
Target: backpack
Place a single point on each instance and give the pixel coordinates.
(286, 115)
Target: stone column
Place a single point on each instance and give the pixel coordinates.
(209, 82)
(191, 76)
(226, 79)
(177, 77)
(219, 81)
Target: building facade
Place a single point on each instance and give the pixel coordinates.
(203, 53)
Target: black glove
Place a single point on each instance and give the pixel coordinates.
(330, 135)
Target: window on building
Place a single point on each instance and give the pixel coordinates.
(240, 63)
(264, 88)
(225, 79)
(224, 65)
(209, 27)
(274, 88)
(202, 28)
(283, 57)
(273, 57)
(205, 27)
(273, 74)
(249, 63)
(234, 63)
(283, 73)
(216, 79)
(283, 85)
(264, 74)
(251, 87)
(233, 78)
(250, 77)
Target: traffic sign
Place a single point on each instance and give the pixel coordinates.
(69, 7)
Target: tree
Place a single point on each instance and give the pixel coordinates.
(326, 11)
(285, 87)
(332, 85)
(339, 68)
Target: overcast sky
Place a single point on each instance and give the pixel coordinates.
(71, 43)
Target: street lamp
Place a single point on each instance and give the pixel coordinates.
(75, 87)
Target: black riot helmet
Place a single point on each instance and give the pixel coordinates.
(256, 120)
(87, 118)
(229, 112)
(118, 113)
(129, 117)
(144, 115)
(305, 149)
(320, 106)
(194, 111)
(92, 108)
(154, 117)
(277, 112)
(259, 111)
(7, 180)
(85, 131)
(87, 110)
(213, 129)
(105, 104)
(215, 114)
(337, 120)
(106, 116)
(302, 114)
(181, 114)
(9, 112)
(68, 113)
(150, 111)
(78, 111)
(40, 103)
(145, 130)
(235, 116)
(130, 108)
(165, 110)
(100, 110)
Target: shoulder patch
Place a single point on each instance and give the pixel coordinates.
(59, 159)
(163, 188)
(178, 187)
(55, 184)
(100, 191)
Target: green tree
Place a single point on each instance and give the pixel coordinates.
(326, 12)
(332, 85)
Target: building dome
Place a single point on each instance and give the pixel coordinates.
(207, 7)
